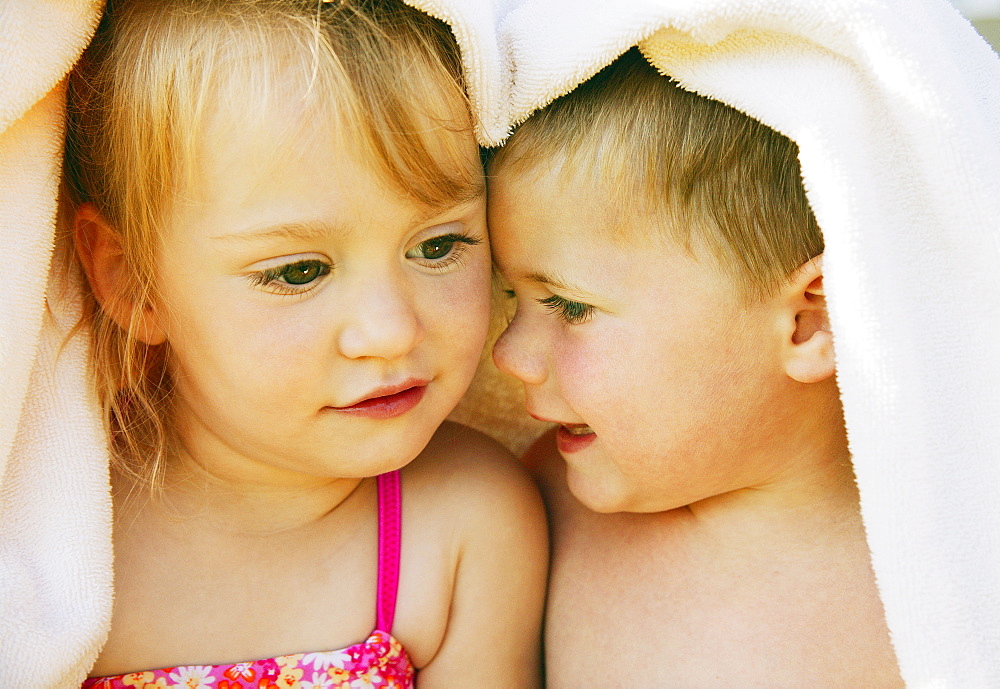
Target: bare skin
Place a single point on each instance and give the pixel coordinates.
(264, 541)
(706, 529)
(712, 595)
(262, 604)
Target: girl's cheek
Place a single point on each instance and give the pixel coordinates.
(466, 301)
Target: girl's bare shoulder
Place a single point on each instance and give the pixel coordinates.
(461, 471)
(473, 516)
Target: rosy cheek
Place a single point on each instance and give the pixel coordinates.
(459, 312)
(586, 375)
(608, 377)
(470, 304)
(274, 351)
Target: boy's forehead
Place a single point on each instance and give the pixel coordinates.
(551, 204)
(544, 199)
(551, 238)
(568, 231)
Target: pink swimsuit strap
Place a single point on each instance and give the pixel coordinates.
(390, 521)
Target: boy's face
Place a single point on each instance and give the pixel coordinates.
(663, 380)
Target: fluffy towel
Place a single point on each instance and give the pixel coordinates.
(895, 105)
(55, 534)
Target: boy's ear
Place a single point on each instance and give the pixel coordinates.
(100, 252)
(808, 348)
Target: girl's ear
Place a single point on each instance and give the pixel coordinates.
(808, 348)
(100, 252)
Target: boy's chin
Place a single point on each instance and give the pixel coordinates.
(598, 492)
(608, 492)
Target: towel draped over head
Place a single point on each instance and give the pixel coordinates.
(895, 107)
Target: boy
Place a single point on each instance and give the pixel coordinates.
(671, 320)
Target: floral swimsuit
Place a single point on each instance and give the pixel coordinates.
(378, 661)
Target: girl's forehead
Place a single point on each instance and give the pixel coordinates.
(281, 163)
(252, 143)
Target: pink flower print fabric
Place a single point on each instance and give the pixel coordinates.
(379, 661)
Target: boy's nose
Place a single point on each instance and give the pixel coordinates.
(381, 323)
(516, 353)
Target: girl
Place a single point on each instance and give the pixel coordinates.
(278, 206)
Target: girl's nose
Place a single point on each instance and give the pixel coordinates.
(518, 353)
(383, 323)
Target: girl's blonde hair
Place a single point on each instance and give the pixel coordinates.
(387, 76)
(715, 177)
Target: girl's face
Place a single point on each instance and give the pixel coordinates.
(318, 322)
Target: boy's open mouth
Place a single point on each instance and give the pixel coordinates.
(574, 437)
(577, 428)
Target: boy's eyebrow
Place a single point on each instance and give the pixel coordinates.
(554, 280)
(295, 230)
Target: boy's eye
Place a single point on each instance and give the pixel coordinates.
(572, 312)
(439, 252)
(291, 278)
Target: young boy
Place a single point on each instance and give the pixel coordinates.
(671, 320)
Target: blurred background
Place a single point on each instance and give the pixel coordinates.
(985, 16)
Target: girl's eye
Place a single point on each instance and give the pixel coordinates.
(291, 278)
(573, 312)
(302, 273)
(442, 251)
(439, 247)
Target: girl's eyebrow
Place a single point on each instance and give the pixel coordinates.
(297, 230)
(313, 230)
(461, 206)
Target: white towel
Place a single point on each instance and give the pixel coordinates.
(55, 538)
(895, 106)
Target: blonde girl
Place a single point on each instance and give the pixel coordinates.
(278, 209)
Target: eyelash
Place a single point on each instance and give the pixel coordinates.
(270, 277)
(454, 253)
(573, 312)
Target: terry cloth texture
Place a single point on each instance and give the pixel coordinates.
(895, 106)
(55, 526)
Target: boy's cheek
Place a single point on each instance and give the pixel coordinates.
(609, 355)
(592, 378)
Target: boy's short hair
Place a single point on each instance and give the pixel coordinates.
(720, 179)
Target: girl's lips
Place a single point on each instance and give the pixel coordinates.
(386, 406)
(574, 438)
